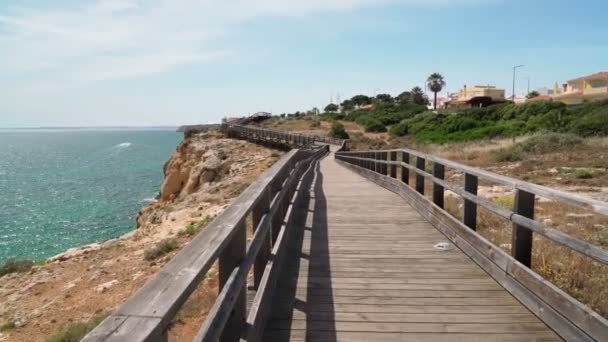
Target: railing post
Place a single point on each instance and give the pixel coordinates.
(438, 190)
(229, 258)
(370, 167)
(261, 259)
(420, 165)
(521, 244)
(469, 215)
(393, 158)
(405, 172)
(385, 165)
(376, 164)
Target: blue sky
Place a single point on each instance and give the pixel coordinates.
(170, 62)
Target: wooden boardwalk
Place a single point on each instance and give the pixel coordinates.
(361, 266)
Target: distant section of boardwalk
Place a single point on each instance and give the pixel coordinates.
(362, 266)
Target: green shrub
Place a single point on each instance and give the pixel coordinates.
(374, 125)
(275, 154)
(13, 266)
(190, 230)
(400, 129)
(592, 124)
(337, 131)
(162, 248)
(549, 142)
(76, 331)
(583, 174)
(508, 155)
(315, 124)
(7, 326)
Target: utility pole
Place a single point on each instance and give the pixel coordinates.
(514, 69)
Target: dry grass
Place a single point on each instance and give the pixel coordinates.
(579, 276)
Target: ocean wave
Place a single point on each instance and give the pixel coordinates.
(148, 200)
(123, 145)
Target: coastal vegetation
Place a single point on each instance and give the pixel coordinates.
(161, 249)
(74, 332)
(337, 131)
(506, 120)
(407, 115)
(13, 266)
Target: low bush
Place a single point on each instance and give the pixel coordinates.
(162, 248)
(337, 131)
(7, 326)
(76, 331)
(538, 144)
(583, 174)
(548, 142)
(13, 266)
(400, 129)
(504, 120)
(374, 125)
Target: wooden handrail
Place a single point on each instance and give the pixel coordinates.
(570, 318)
(585, 248)
(549, 193)
(292, 139)
(146, 315)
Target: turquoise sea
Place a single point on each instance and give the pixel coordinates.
(61, 188)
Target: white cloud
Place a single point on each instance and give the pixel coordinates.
(117, 39)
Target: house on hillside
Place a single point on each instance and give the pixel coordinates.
(586, 88)
(477, 96)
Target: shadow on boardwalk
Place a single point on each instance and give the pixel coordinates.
(294, 290)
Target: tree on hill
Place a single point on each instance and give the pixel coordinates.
(338, 131)
(361, 100)
(435, 82)
(532, 94)
(418, 97)
(331, 108)
(347, 105)
(384, 98)
(404, 97)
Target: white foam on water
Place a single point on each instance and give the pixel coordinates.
(148, 200)
(123, 145)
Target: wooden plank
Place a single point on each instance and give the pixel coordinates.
(350, 336)
(461, 317)
(381, 327)
(282, 310)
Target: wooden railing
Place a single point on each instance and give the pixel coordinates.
(570, 318)
(268, 204)
(267, 135)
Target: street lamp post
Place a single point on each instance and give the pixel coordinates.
(515, 68)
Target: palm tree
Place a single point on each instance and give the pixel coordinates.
(435, 83)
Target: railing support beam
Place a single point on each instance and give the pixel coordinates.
(469, 214)
(393, 158)
(264, 254)
(405, 172)
(230, 257)
(521, 244)
(420, 165)
(438, 190)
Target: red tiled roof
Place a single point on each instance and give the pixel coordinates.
(541, 97)
(571, 94)
(592, 76)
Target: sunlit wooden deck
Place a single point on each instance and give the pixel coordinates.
(362, 266)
